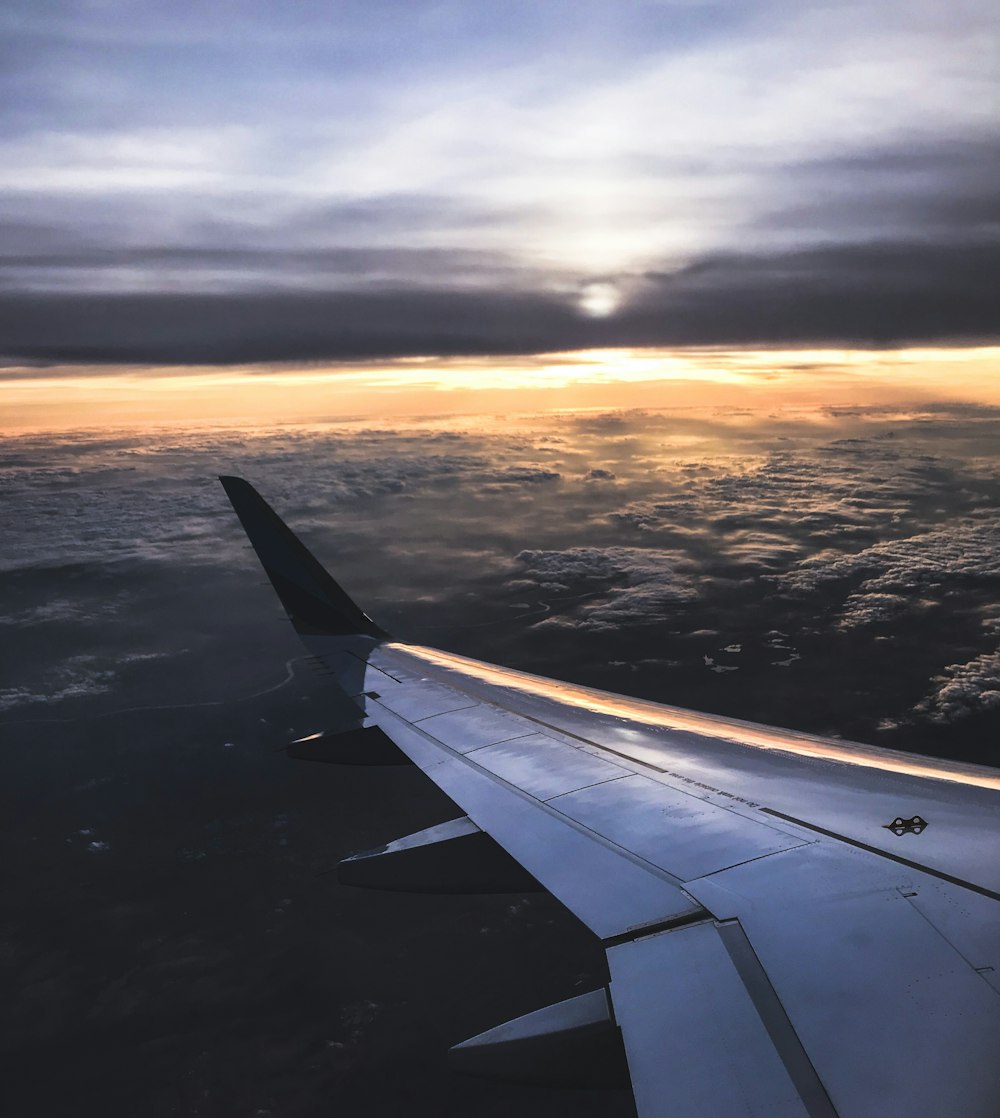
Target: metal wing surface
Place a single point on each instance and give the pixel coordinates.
(794, 926)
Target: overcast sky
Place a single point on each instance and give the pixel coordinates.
(252, 180)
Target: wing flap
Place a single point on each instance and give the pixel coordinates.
(695, 1040)
(894, 1018)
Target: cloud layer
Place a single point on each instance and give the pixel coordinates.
(836, 570)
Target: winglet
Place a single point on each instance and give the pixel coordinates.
(313, 600)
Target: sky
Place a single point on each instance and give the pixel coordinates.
(261, 182)
(652, 345)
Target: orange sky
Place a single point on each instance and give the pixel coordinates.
(62, 398)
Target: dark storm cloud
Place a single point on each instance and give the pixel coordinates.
(883, 292)
(274, 327)
(80, 280)
(886, 294)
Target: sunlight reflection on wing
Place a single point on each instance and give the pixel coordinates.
(710, 725)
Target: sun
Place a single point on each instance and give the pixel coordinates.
(599, 300)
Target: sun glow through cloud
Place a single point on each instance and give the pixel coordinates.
(600, 300)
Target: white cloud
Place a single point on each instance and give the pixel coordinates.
(611, 151)
(58, 610)
(964, 689)
(77, 677)
(211, 157)
(898, 574)
(629, 585)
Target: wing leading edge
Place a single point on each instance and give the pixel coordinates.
(774, 948)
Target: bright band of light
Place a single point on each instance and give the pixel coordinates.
(72, 397)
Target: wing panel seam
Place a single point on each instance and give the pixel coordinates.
(698, 915)
(776, 1021)
(554, 813)
(584, 787)
(940, 874)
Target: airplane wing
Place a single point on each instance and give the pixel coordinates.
(795, 927)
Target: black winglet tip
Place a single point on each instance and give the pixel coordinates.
(241, 493)
(313, 600)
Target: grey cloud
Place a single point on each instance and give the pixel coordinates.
(157, 502)
(762, 552)
(525, 475)
(945, 189)
(881, 292)
(237, 269)
(254, 241)
(63, 610)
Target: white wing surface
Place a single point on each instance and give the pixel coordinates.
(794, 926)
